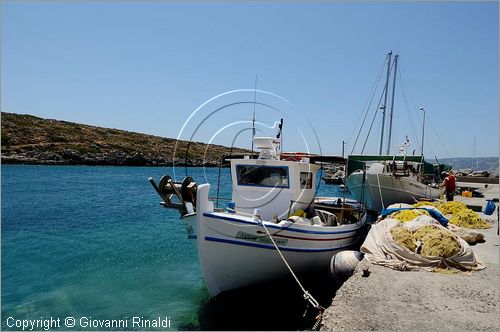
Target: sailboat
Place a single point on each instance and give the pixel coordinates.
(274, 215)
(381, 180)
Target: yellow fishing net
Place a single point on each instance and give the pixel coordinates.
(468, 219)
(451, 207)
(461, 215)
(403, 237)
(423, 231)
(434, 241)
(422, 203)
(407, 215)
(440, 243)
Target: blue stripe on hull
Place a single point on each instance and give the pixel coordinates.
(264, 246)
(210, 215)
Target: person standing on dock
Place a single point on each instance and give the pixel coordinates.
(449, 185)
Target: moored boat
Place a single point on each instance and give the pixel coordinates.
(384, 179)
(273, 207)
(380, 181)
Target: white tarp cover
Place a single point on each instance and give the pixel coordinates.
(380, 248)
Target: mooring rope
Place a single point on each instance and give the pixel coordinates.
(380, 192)
(409, 193)
(307, 296)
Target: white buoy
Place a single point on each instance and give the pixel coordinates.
(343, 263)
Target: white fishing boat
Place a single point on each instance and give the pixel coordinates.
(384, 179)
(273, 206)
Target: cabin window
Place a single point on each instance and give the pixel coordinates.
(262, 176)
(306, 180)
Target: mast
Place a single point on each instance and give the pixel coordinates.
(423, 133)
(253, 118)
(389, 56)
(392, 102)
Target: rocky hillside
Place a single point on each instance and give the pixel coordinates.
(480, 163)
(33, 140)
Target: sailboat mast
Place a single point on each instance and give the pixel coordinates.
(389, 57)
(392, 102)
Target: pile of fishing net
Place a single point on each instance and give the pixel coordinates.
(460, 215)
(469, 219)
(425, 203)
(420, 244)
(428, 240)
(408, 215)
(451, 207)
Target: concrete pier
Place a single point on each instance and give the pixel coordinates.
(402, 300)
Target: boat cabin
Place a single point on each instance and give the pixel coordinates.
(277, 187)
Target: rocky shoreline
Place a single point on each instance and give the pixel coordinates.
(119, 160)
(27, 139)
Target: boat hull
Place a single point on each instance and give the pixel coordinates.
(191, 224)
(235, 251)
(381, 190)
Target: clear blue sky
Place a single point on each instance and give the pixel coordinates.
(146, 66)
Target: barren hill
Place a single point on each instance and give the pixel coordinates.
(34, 140)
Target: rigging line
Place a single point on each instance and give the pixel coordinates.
(410, 97)
(405, 78)
(408, 110)
(412, 89)
(439, 138)
(366, 114)
(373, 120)
(372, 93)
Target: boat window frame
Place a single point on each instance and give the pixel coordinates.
(307, 186)
(261, 185)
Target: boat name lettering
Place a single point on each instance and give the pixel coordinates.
(260, 239)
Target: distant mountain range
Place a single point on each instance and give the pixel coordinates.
(483, 163)
(27, 139)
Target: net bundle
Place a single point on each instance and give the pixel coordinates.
(428, 240)
(408, 215)
(468, 219)
(461, 215)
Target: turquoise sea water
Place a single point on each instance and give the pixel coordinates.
(94, 241)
